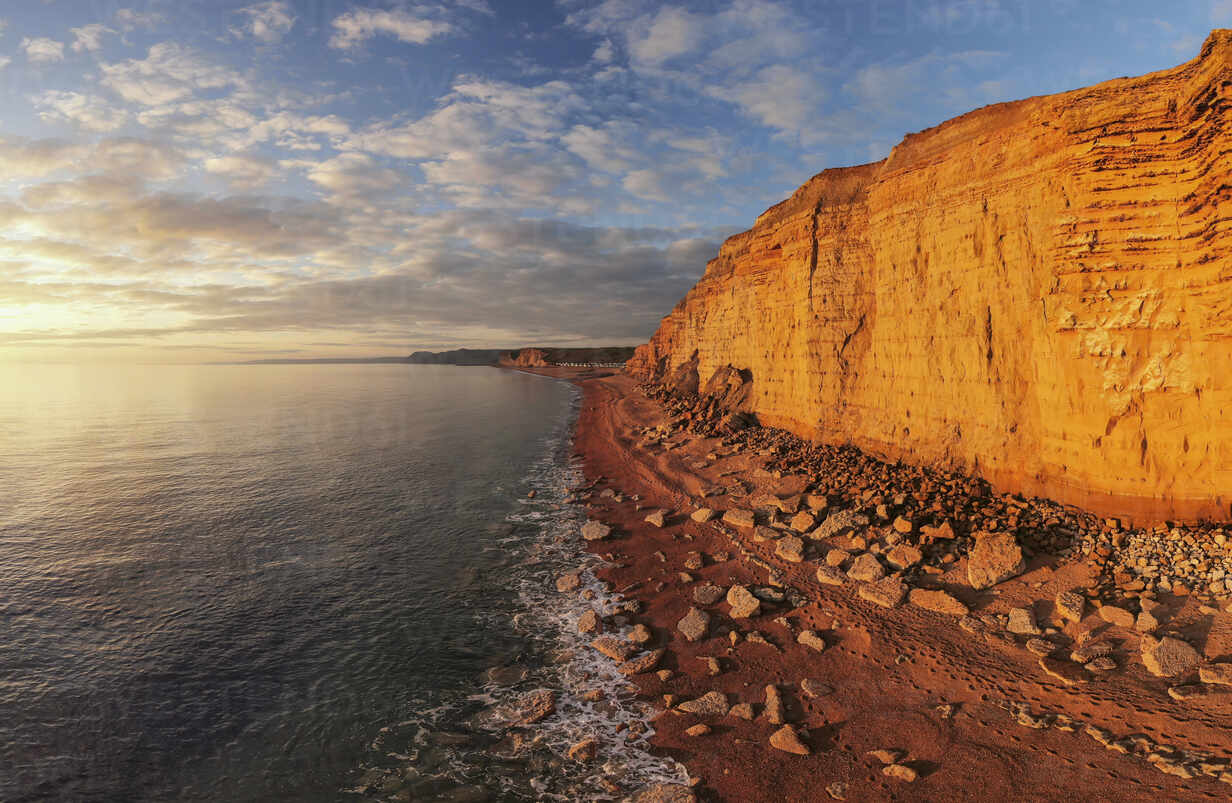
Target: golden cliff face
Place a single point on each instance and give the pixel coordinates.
(1037, 292)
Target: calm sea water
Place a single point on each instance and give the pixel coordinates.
(280, 582)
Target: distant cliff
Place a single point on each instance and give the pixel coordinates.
(530, 357)
(457, 357)
(1038, 292)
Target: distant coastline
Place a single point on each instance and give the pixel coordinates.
(522, 357)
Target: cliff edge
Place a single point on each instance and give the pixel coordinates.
(1037, 292)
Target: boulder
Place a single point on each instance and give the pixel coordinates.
(645, 662)
(1168, 657)
(613, 647)
(694, 624)
(657, 519)
(1116, 615)
(702, 515)
(802, 522)
(790, 549)
(830, 576)
(595, 531)
(538, 706)
(866, 568)
(584, 751)
(887, 592)
(1071, 605)
(904, 556)
(1218, 674)
(809, 638)
(666, 793)
(1022, 622)
(738, 517)
(710, 704)
(570, 581)
(942, 533)
(707, 594)
(937, 601)
(589, 622)
(743, 604)
(995, 558)
(786, 739)
(773, 710)
(838, 522)
(903, 525)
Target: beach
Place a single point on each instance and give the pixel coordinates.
(856, 626)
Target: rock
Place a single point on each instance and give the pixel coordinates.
(694, 561)
(595, 531)
(713, 667)
(613, 648)
(666, 793)
(657, 519)
(786, 739)
(710, 704)
(640, 634)
(809, 638)
(1071, 605)
(790, 549)
(742, 711)
(762, 534)
(901, 772)
(838, 522)
(571, 581)
(1219, 674)
(837, 790)
(887, 592)
(887, 755)
(837, 557)
(1068, 673)
(589, 622)
(773, 710)
(538, 706)
(1040, 647)
(1089, 652)
(1168, 657)
(1146, 622)
(694, 624)
(743, 604)
(829, 576)
(816, 502)
(584, 751)
(1022, 622)
(904, 556)
(902, 525)
(702, 515)
(995, 558)
(699, 729)
(802, 522)
(1115, 615)
(942, 533)
(707, 594)
(814, 688)
(737, 517)
(866, 568)
(1103, 663)
(937, 601)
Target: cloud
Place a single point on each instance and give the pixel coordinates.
(778, 96)
(673, 32)
(268, 22)
(131, 19)
(242, 171)
(42, 50)
(353, 176)
(169, 72)
(89, 38)
(5, 61)
(361, 24)
(89, 112)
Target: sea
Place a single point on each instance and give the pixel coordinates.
(299, 583)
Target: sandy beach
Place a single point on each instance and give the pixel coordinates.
(954, 694)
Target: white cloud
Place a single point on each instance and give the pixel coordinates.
(779, 97)
(672, 33)
(360, 24)
(353, 175)
(5, 61)
(42, 50)
(87, 111)
(89, 37)
(4, 26)
(169, 72)
(242, 171)
(131, 19)
(269, 21)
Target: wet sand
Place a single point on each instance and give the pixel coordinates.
(890, 670)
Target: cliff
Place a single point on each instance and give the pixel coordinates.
(1037, 292)
(535, 356)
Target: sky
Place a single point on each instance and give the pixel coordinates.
(209, 180)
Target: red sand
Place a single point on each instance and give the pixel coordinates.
(888, 668)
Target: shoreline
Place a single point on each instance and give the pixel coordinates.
(979, 706)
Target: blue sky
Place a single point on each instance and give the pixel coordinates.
(189, 180)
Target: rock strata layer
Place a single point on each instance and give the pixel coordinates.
(1035, 292)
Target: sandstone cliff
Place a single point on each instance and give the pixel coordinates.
(1037, 292)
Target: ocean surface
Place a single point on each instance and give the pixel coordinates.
(293, 582)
